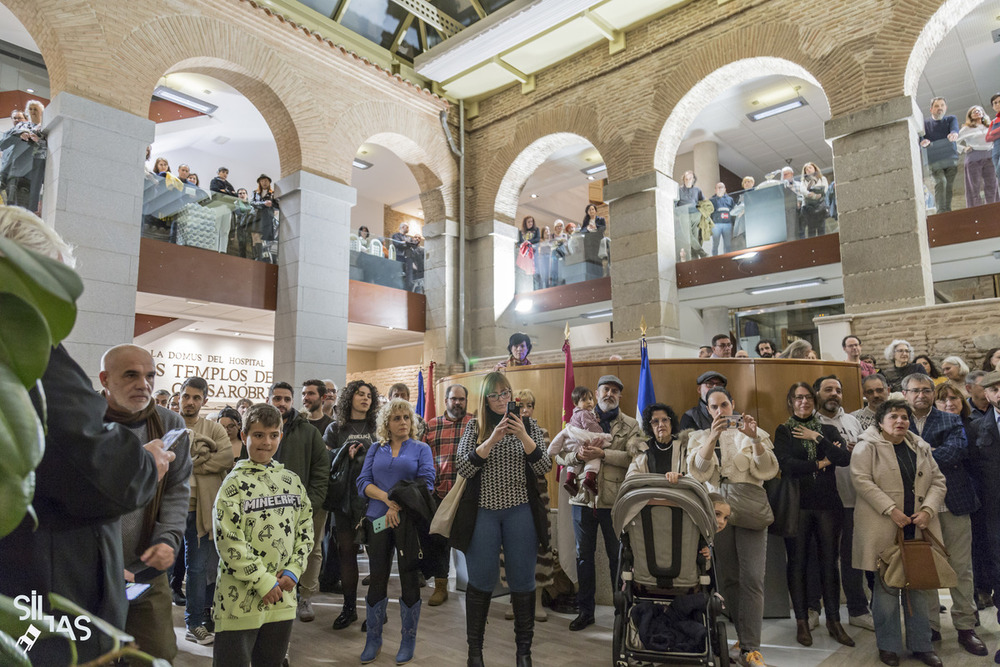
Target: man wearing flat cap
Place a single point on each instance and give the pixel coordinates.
(698, 417)
(984, 467)
(590, 513)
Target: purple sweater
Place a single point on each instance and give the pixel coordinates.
(415, 461)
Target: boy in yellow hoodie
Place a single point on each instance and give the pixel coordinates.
(263, 533)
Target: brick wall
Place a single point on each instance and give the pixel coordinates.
(966, 329)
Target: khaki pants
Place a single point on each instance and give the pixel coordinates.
(150, 621)
(309, 582)
(956, 536)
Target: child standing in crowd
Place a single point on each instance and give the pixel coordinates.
(263, 532)
(583, 429)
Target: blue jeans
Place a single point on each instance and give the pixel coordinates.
(586, 521)
(722, 231)
(514, 530)
(885, 613)
(202, 563)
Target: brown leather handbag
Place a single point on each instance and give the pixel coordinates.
(919, 564)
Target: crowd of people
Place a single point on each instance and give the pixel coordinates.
(224, 218)
(22, 165)
(266, 504)
(542, 252)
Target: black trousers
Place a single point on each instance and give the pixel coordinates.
(823, 527)
(381, 547)
(261, 647)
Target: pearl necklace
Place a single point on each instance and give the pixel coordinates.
(663, 449)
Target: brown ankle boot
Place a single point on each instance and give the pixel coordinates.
(440, 592)
(837, 632)
(802, 634)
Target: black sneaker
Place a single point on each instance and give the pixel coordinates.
(179, 599)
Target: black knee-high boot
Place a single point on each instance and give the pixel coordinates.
(477, 607)
(524, 625)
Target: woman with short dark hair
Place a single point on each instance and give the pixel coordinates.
(665, 452)
(808, 450)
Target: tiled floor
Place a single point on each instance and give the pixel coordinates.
(441, 640)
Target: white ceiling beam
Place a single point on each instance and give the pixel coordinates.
(527, 80)
(616, 38)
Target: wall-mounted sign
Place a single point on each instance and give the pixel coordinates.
(234, 368)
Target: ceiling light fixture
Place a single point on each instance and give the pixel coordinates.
(177, 97)
(31, 90)
(746, 255)
(775, 109)
(196, 302)
(594, 314)
(785, 286)
(596, 169)
(590, 178)
(361, 164)
(524, 306)
(534, 195)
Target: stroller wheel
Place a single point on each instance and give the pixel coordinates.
(721, 644)
(618, 642)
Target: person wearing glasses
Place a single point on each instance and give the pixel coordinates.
(502, 457)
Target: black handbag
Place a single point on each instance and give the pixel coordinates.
(783, 494)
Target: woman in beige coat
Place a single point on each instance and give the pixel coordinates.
(737, 452)
(899, 485)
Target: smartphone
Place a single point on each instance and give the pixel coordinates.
(173, 438)
(513, 408)
(135, 591)
(379, 524)
(735, 421)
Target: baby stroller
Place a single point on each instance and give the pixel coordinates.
(666, 608)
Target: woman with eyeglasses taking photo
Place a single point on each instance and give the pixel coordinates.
(502, 460)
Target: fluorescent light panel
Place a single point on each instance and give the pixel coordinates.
(177, 97)
(594, 314)
(785, 286)
(361, 164)
(596, 169)
(775, 109)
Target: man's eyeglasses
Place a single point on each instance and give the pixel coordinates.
(923, 391)
(503, 396)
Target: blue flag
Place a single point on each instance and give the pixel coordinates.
(646, 394)
(420, 393)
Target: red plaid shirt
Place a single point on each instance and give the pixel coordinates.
(443, 436)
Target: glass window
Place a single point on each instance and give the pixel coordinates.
(376, 20)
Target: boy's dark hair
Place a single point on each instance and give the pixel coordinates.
(319, 384)
(280, 385)
(819, 382)
(718, 499)
(261, 413)
(196, 382)
(580, 393)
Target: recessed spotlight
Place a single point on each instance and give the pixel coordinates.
(524, 306)
(31, 90)
(590, 178)
(534, 195)
(237, 333)
(207, 91)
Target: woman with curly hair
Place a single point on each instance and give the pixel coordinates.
(930, 368)
(348, 439)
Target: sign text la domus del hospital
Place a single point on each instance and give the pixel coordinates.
(234, 369)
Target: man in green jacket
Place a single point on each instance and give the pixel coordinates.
(302, 451)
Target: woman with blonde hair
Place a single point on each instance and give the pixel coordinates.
(980, 176)
(395, 459)
(502, 456)
(797, 349)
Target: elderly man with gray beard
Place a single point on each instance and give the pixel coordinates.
(590, 513)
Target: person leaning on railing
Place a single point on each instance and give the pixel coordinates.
(266, 204)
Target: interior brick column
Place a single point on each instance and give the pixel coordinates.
(643, 256)
(310, 323)
(883, 223)
(93, 198)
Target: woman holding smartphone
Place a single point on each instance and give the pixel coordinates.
(735, 452)
(397, 457)
(501, 507)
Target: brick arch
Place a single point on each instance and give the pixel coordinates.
(219, 49)
(943, 21)
(700, 96)
(416, 138)
(46, 38)
(534, 140)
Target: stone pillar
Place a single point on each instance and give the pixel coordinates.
(716, 321)
(489, 260)
(310, 323)
(706, 165)
(441, 289)
(643, 269)
(93, 198)
(883, 224)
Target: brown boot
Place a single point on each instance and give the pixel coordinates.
(440, 592)
(802, 634)
(837, 632)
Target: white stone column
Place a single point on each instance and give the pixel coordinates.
(310, 323)
(93, 198)
(706, 165)
(441, 289)
(643, 256)
(490, 257)
(883, 223)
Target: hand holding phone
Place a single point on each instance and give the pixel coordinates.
(379, 524)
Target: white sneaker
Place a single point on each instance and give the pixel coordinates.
(305, 610)
(813, 619)
(199, 635)
(864, 621)
(734, 652)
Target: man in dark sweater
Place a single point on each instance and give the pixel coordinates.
(940, 135)
(220, 184)
(698, 417)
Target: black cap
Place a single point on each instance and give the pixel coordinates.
(708, 375)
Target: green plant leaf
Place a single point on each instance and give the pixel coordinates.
(24, 339)
(59, 312)
(22, 441)
(15, 497)
(51, 275)
(63, 604)
(12, 654)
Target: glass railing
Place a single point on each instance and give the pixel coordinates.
(396, 261)
(578, 257)
(773, 212)
(958, 175)
(189, 215)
